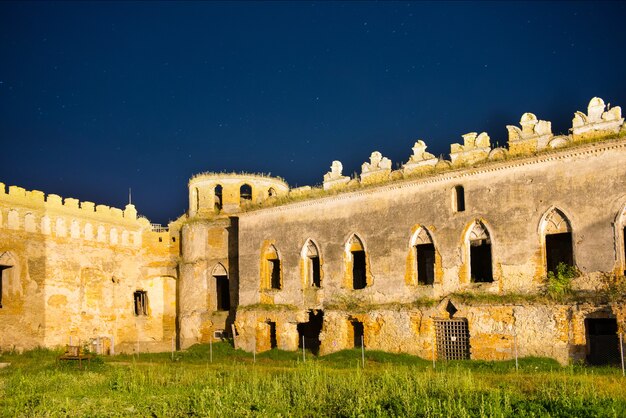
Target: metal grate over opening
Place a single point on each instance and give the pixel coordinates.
(452, 339)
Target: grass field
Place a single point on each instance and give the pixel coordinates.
(281, 384)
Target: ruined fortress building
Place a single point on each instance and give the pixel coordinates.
(444, 258)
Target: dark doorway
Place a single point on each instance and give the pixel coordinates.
(558, 250)
(275, 273)
(480, 261)
(223, 293)
(425, 254)
(2, 269)
(310, 331)
(358, 332)
(316, 278)
(359, 280)
(273, 341)
(602, 341)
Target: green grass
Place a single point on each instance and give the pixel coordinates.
(280, 384)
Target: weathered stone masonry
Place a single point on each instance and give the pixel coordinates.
(388, 259)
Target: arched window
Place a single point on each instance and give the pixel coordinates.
(480, 261)
(458, 199)
(312, 267)
(355, 251)
(424, 253)
(557, 234)
(218, 197)
(271, 192)
(245, 194)
(271, 272)
(222, 288)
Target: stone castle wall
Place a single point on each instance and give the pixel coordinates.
(276, 265)
(72, 269)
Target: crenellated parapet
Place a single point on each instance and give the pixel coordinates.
(421, 161)
(34, 212)
(597, 123)
(334, 178)
(475, 149)
(534, 135)
(377, 170)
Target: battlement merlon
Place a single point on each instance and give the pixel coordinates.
(597, 123)
(37, 200)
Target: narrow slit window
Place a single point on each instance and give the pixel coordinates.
(275, 273)
(141, 302)
(272, 329)
(218, 197)
(315, 272)
(359, 280)
(459, 199)
(2, 274)
(222, 293)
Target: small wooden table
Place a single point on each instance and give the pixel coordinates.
(74, 352)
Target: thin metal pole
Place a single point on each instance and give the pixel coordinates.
(211, 348)
(303, 355)
(434, 347)
(363, 351)
(515, 344)
(621, 349)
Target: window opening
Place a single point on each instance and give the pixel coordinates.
(558, 241)
(275, 273)
(459, 199)
(480, 255)
(273, 341)
(313, 268)
(218, 197)
(141, 302)
(271, 192)
(558, 250)
(311, 332)
(602, 341)
(425, 256)
(315, 272)
(2, 275)
(452, 339)
(245, 193)
(358, 270)
(358, 332)
(222, 289)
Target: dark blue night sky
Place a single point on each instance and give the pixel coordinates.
(99, 97)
